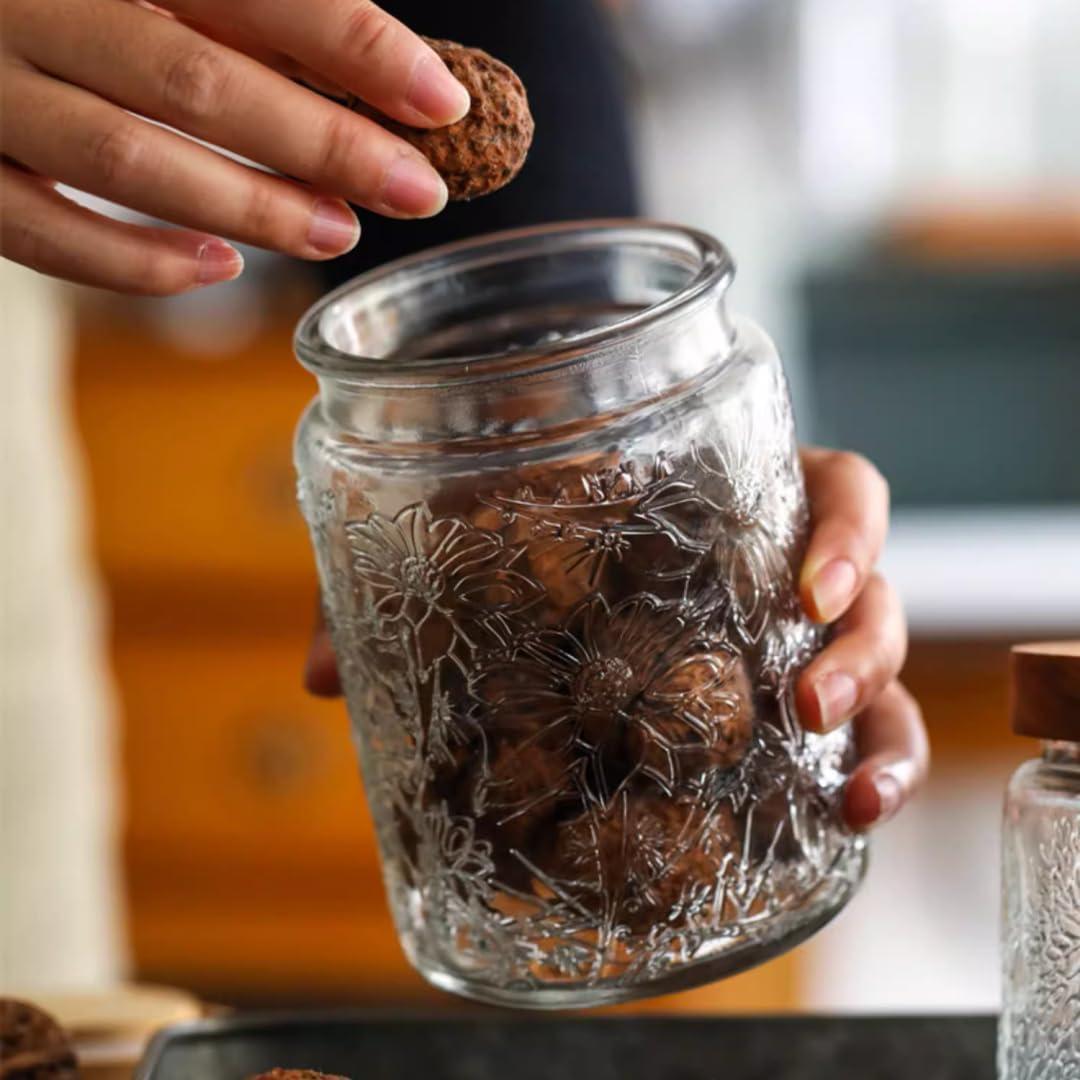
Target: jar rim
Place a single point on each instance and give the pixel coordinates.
(714, 271)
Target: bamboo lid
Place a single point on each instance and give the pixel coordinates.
(1045, 690)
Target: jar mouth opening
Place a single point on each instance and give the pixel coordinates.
(509, 303)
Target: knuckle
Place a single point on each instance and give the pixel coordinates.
(364, 29)
(851, 463)
(24, 243)
(340, 149)
(263, 221)
(912, 711)
(154, 280)
(884, 655)
(894, 616)
(863, 471)
(152, 272)
(879, 480)
(196, 83)
(119, 152)
(877, 668)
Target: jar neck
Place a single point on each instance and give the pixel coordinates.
(570, 398)
(520, 335)
(1056, 752)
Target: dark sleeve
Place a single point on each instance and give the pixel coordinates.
(580, 165)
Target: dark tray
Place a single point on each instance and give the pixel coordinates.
(364, 1046)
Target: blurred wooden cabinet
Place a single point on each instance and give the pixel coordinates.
(249, 857)
(250, 863)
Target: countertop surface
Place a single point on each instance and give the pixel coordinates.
(363, 1046)
(987, 572)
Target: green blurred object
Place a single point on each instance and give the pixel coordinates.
(963, 385)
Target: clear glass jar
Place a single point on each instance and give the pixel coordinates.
(1039, 1035)
(558, 513)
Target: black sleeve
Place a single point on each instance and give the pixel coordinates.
(580, 164)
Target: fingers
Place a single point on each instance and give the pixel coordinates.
(355, 44)
(109, 153)
(321, 672)
(47, 232)
(849, 506)
(865, 656)
(894, 757)
(180, 77)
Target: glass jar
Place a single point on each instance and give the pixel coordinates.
(556, 502)
(1039, 1037)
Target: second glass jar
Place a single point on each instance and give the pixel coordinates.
(556, 502)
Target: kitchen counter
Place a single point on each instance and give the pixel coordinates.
(985, 573)
(369, 1047)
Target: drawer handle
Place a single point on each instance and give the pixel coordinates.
(272, 483)
(280, 757)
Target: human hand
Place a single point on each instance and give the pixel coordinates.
(855, 678)
(78, 78)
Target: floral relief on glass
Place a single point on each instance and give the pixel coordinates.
(573, 705)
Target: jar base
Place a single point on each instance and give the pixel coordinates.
(729, 957)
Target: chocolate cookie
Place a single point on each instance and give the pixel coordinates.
(33, 1046)
(486, 149)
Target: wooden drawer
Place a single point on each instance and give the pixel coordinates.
(229, 762)
(252, 952)
(190, 459)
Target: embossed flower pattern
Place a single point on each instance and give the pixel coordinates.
(430, 578)
(745, 554)
(449, 857)
(619, 515)
(568, 704)
(634, 687)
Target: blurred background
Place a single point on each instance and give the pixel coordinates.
(899, 182)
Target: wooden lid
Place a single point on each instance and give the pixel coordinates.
(1045, 690)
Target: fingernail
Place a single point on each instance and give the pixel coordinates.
(832, 588)
(435, 93)
(334, 228)
(836, 694)
(218, 261)
(890, 794)
(414, 188)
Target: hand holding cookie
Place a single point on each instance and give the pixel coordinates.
(129, 102)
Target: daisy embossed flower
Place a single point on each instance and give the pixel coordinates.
(429, 579)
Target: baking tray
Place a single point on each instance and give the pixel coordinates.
(367, 1046)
